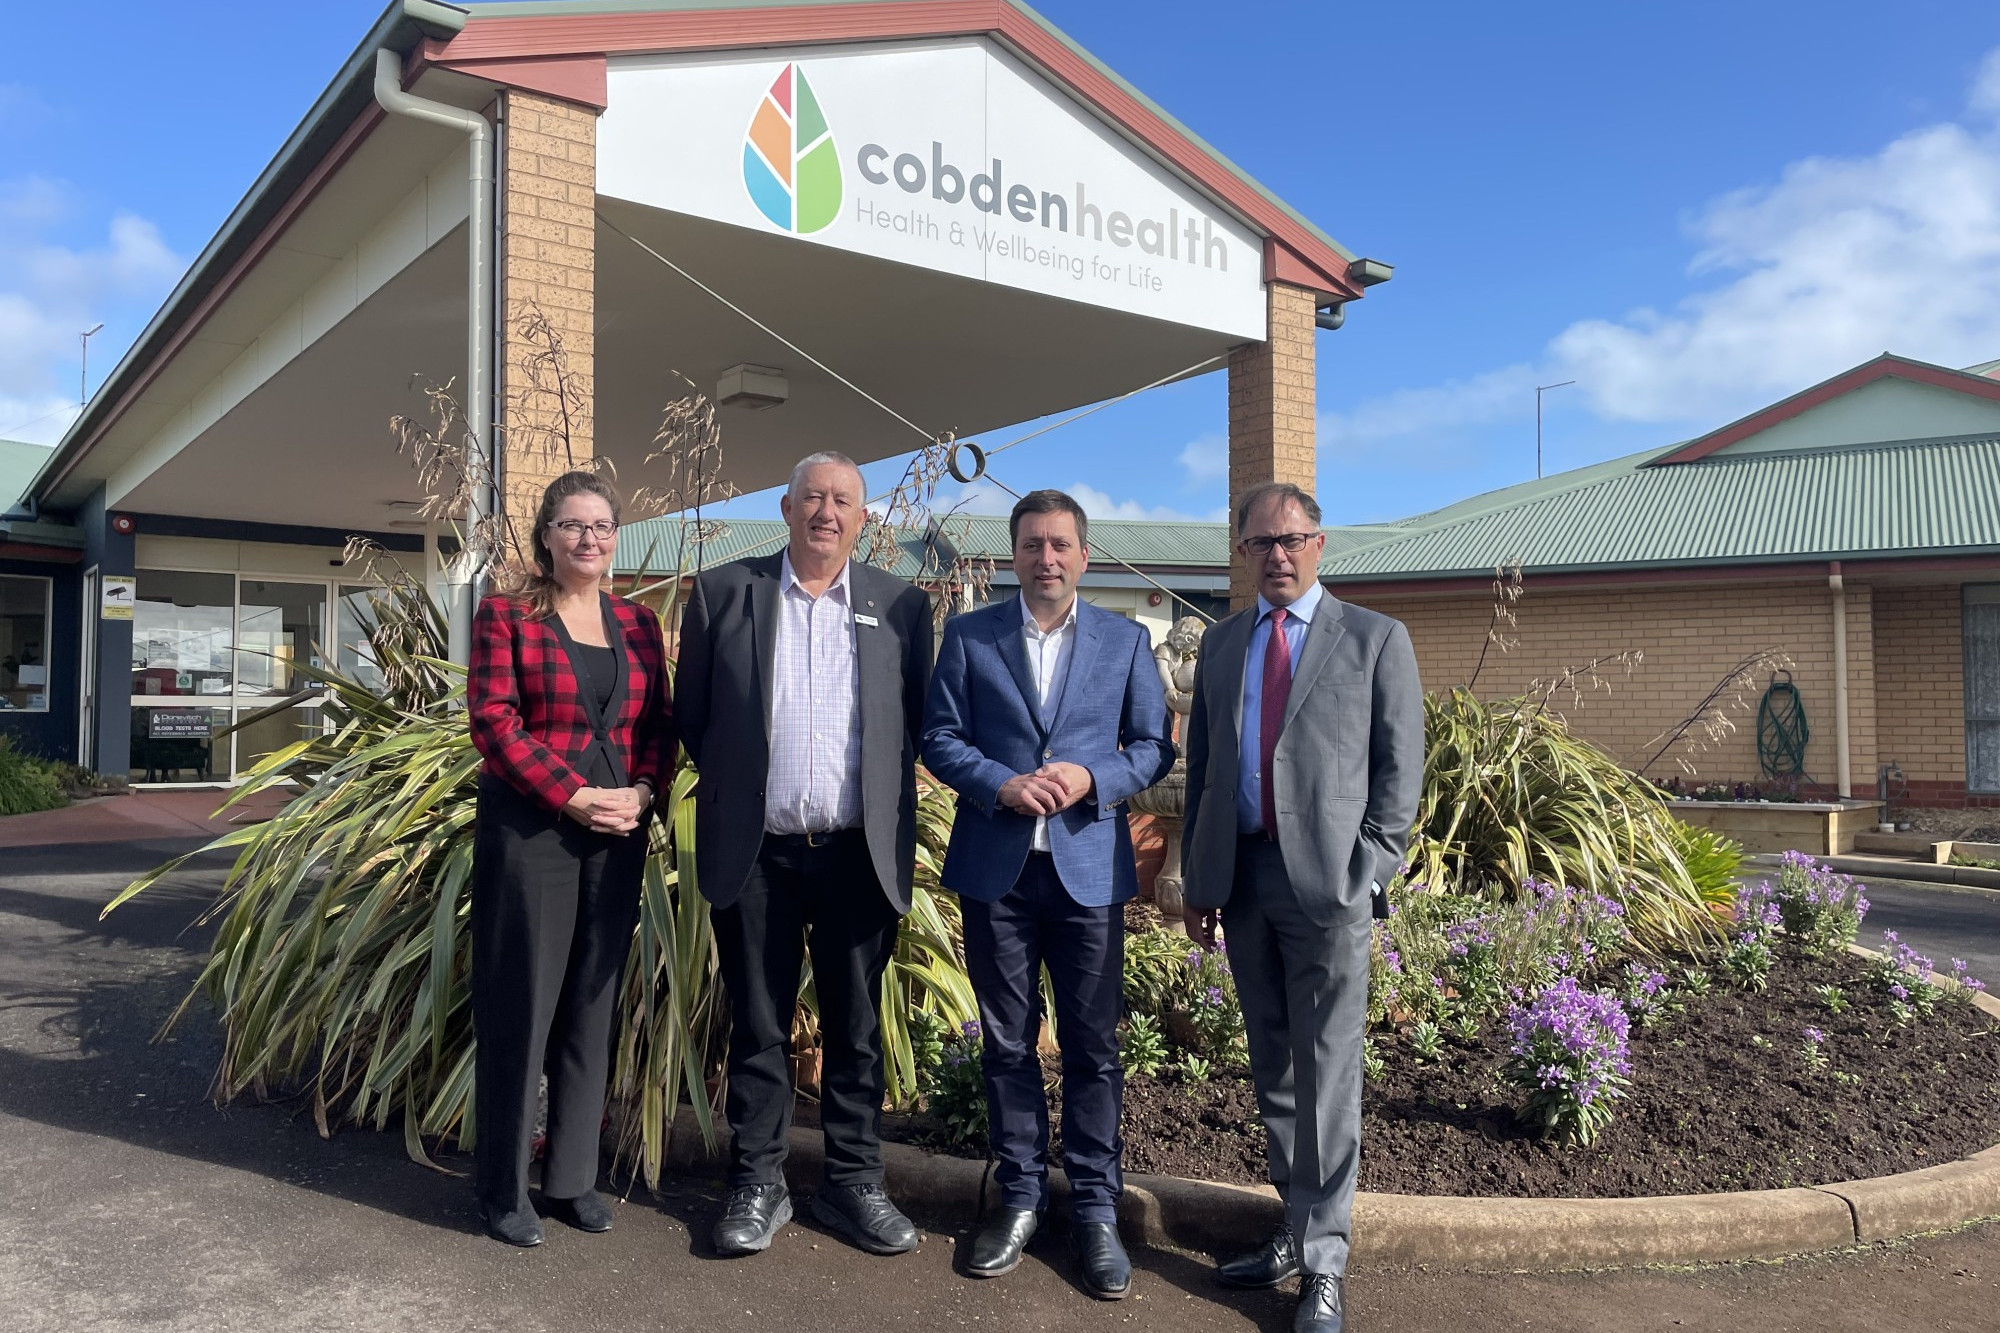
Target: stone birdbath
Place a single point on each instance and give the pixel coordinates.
(1166, 800)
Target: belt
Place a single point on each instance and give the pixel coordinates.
(817, 838)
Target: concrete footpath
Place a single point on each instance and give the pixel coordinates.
(132, 1203)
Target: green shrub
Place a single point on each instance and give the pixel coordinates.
(1821, 909)
(1512, 798)
(1144, 1049)
(27, 784)
(955, 1089)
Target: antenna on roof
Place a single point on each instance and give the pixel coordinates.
(1541, 389)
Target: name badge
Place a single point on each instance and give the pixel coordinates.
(869, 621)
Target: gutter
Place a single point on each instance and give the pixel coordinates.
(402, 28)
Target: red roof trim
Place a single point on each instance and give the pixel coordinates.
(579, 79)
(1884, 366)
(1303, 256)
(1793, 571)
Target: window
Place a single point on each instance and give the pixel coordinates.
(1982, 686)
(24, 643)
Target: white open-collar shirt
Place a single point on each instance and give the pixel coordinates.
(814, 785)
(1049, 653)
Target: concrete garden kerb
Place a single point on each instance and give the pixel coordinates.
(1476, 1233)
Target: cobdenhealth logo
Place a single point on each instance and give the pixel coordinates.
(790, 166)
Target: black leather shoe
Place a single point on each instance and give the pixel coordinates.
(588, 1211)
(1107, 1271)
(751, 1216)
(996, 1250)
(1322, 1306)
(1259, 1269)
(863, 1215)
(516, 1226)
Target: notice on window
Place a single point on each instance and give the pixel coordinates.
(164, 724)
(120, 594)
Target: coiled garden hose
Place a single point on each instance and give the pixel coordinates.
(1782, 732)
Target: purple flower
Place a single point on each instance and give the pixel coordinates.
(970, 1029)
(1815, 1036)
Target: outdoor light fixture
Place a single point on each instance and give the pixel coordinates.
(755, 387)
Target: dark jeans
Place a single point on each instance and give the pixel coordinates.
(825, 899)
(553, 908)
(1007, 943)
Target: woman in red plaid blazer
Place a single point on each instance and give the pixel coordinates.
(570, 707)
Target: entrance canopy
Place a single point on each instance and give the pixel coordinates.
(948, 205)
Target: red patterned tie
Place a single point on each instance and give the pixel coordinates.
(1277, 689)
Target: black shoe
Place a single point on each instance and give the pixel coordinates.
(996, 1250)
(588, 1211)
(1107, 1271)
(750, 1217)
(515, 1226)
(1322, 1306)
(864, 1216)
(1278, 1260)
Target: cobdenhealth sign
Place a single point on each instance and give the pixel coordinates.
(951, 156)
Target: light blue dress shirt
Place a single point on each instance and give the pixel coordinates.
(1298, 619)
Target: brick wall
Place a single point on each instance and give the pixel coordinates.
(1272, 405)
(1920, 686)
(548, 271)
(1688, 637)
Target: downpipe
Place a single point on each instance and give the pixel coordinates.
(1841, 740)
(465, 580)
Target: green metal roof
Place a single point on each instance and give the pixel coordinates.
(19, 462)
(1877, 500)
(654, 546)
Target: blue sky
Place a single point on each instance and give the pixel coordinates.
(1691, 209)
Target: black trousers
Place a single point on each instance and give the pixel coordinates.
(553, 909)
(1007, 943)
(826, 899)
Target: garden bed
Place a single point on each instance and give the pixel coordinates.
(1710, 1108)
(1816, 828)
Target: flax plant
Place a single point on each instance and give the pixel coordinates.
(1511, 796)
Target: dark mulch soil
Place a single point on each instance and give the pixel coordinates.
(1720, 1100)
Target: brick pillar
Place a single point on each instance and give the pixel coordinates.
(548, 277)
(1271, 409)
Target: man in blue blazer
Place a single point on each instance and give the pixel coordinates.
(1046, 713)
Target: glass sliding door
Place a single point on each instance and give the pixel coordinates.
(279, 627)
(183, 675)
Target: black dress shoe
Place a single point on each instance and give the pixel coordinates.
(1322, 1307)
(588, 1211)
(1107, 1271)
(1267, 1267)
(863, 1215)
(996, 1250)
(751, 1216)
(515, 1226)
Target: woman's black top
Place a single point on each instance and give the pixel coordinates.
(600, 672)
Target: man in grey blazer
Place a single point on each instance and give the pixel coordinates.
(1305, 748)
(800, 696)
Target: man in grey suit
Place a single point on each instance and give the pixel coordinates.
(800, 697)
(1305, 748)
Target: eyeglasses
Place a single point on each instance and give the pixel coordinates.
(604, 529)
(1293, 542)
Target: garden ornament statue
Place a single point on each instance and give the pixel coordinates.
(1165, 800)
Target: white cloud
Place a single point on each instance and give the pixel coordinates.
(51, 289)
(1835, 261)
(1433, 411)
(1985, 96)
(1205, 460)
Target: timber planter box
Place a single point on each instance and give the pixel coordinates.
(1818, 828)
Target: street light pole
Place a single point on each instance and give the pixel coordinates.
(1541, 389)
(83, 367)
